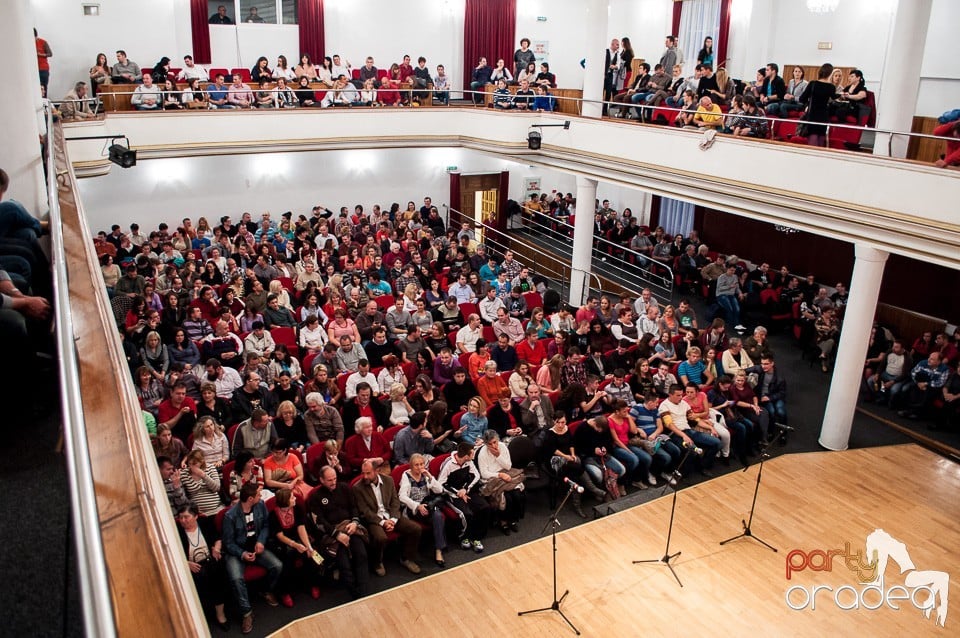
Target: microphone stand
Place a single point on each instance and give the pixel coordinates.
(554, 523)
(747, 532)
(667, 556)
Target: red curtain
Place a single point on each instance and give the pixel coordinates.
(677, 10)
(724, 33)
(310, 14)
(454, 195)
(200, 30)
(489, 30)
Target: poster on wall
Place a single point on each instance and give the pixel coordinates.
(541, 49)
(531, 186)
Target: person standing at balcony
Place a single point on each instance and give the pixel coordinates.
(523, 56)
(44, 53)
(817, 98)
(613, 69)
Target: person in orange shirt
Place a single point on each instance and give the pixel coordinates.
(477, 360)
(44, 53)
(490, 384)
(531, 349)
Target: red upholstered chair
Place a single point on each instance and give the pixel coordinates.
(554, 397)
(464, 358)
(455, 421)
(436, 463)
(467, 309)
(397, 473)
(244, 73)
(314, 452)
(342, 384)
(287, 284)
(232, 433)
(391, 433)
(215, 71)
(573, 426)
(533, 299)
(286, 336)
(355, 74)
(488, 334)
(385, 302)
(452, 338)
(307, 363)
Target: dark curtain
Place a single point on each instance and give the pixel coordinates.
(454, 195)
(724, 33)
(311, 29)
(677, 10)
(489, 30)
(502, 197)
(200, 30)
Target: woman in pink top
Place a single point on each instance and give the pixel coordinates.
(708, 420)
(342, 326)
(634, 458)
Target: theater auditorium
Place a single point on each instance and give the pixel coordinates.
(332, 317)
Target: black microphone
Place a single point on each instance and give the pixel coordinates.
(573, 485)
(693, 448)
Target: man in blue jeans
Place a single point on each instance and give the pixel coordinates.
(673, 414)
(729, 295)
(771, 390)
(245, 530)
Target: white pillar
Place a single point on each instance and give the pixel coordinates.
(596, 39)
(900, 81)
(852, 350)
(581, 262)
(21, 135)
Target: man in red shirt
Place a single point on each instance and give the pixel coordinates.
(531, 350)
(588, 312)
(178, 412)
(44, 53)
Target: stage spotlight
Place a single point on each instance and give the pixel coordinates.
(533, 140)
(123, 156)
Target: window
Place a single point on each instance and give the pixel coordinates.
(267, 11)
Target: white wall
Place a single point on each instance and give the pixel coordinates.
(171, 189)
(783, 31)
(387, 30)
(146, 30)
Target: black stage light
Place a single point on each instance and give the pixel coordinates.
(123, 156)
(533, 140)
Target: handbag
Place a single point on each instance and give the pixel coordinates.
(609, 479)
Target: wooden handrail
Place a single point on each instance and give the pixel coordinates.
(151, 588)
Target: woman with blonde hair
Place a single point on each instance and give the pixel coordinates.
(400, 408)
(201, 482)
(276, 288)
(410, 294)
(209, 439)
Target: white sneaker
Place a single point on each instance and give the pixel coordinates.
(477, 546)
(466, 544)
(739, 327)
(651, 479)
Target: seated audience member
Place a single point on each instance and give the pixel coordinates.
(201, 483)
(459, 475)
(544, 101)
(366, 444)
(75, 105)
(673, 413)
(790, 101)
(441, 86)
(502, 98)
(146, 97)
(379, 509)
(927, 380)
(890, 374)
(239, 94)
(125, 71)
(218, 94)
(283, 470)
(245, 534)
(502, 484)
(545, 78)
(335, 521)
(290, 542)
(342, 94)
(203, 548)
(750, 123)
(255, 435)
(771, 389)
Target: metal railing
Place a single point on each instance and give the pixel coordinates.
(624, 265)
(499, 242)
(95, 596)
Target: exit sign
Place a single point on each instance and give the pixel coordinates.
(824, 46)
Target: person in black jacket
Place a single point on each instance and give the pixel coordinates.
(773, 88)
(593, 442)
(771, 390)
(202, 545)
(335, 521)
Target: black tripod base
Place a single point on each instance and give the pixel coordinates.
(555, 606)
(664, 561)
(746, 533)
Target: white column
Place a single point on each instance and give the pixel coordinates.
(597, 43)
(900, 81)
(852, 350)
(21, 135)
(581, 263)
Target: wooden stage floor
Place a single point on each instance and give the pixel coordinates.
(808, 502)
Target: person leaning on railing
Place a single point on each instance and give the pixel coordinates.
(952, 157)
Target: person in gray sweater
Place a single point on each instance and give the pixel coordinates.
(729, 295)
